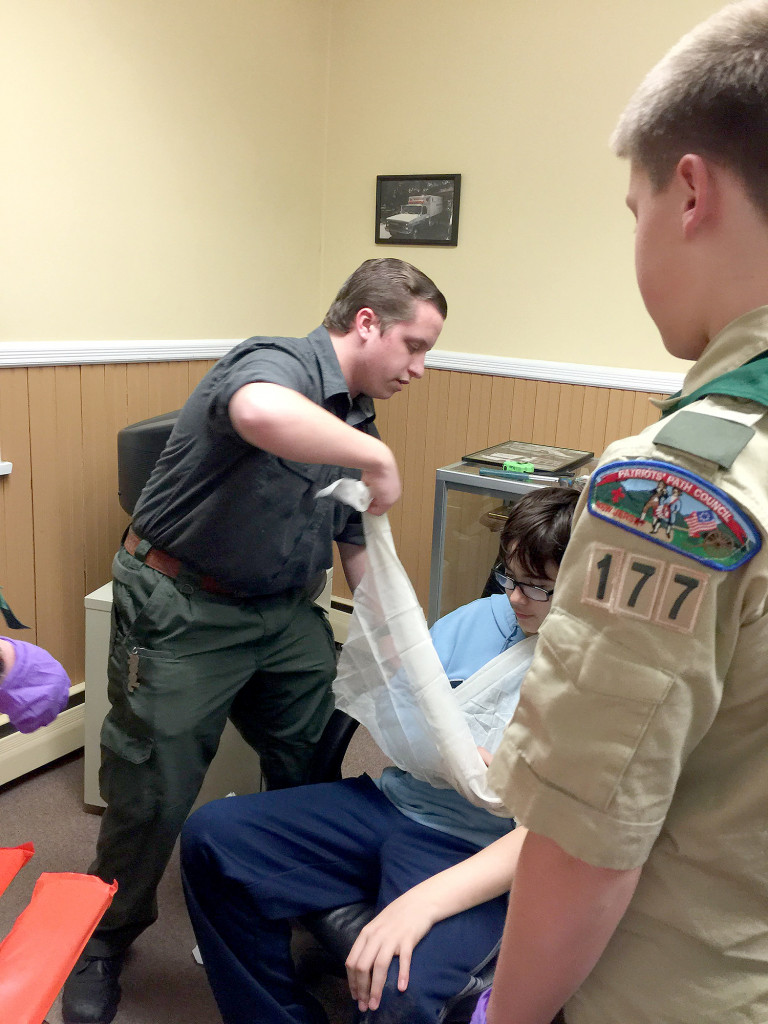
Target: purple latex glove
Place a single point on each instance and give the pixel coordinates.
(35, 689)
(478, 1017)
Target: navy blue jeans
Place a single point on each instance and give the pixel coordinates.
(250, 863)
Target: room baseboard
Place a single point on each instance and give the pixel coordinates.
(23, 752)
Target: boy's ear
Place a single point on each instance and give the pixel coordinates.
(694, 177)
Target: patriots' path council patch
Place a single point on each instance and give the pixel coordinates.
(675, 508)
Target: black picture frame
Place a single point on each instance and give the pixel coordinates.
(437, 220)
(544, 457)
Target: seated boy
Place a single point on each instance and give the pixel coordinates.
(251, 863)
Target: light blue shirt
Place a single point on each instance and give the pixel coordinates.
(465, 640)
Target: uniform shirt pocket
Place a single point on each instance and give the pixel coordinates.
(603, 706)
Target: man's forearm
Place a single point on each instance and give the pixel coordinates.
(562, 913)
(290, 425)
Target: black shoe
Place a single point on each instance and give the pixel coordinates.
(92, 991)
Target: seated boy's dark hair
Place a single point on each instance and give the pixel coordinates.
(538, 528)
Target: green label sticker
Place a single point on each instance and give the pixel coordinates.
(676, 509)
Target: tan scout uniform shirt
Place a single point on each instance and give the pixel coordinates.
(641, 737)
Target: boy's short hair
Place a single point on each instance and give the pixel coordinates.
(538, 527)
(389, 287)
(708, 96)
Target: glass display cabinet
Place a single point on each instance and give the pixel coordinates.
(470, 511)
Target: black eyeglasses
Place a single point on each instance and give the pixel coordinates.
(526, 589)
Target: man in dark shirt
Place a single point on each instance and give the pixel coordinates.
(213, 612)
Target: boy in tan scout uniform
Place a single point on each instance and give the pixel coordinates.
(638, 756)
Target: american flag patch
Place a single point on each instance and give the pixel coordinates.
(700, 522)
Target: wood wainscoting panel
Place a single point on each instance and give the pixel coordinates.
(16, 536)
(436, 421)
(105, 412)
(55, 416)
(60, 520)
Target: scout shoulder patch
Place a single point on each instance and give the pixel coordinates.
(676, 509)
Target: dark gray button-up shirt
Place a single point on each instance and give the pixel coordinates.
(235, 512)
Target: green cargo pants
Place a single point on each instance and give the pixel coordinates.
(181, 661)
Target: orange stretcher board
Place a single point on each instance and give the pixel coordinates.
(12, 859)
(46, 940)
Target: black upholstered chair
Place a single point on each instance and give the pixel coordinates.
(336, 930)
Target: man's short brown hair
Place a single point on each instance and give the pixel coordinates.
(389, 287)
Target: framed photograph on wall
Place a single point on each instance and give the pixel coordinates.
(417, 209)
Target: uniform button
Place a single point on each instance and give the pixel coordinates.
(187, 588)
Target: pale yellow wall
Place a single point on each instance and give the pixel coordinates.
(161, 170)
(520, 97)
(207, 169)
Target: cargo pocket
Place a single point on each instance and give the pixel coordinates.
(125, 785)
(136, 749)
